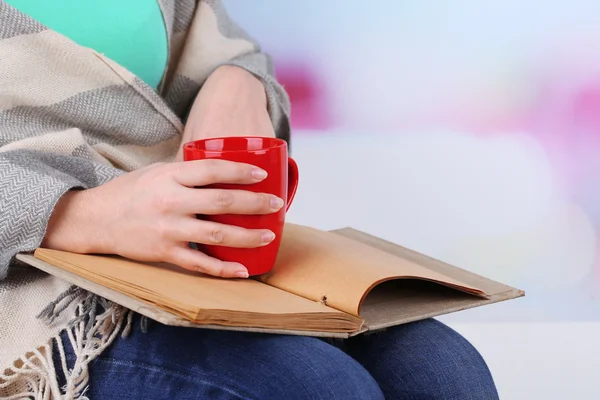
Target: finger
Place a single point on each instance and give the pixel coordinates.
(207, 172)
(221, 201)
(195, 260)
(213, 233)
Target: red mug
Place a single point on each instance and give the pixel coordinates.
(269, 154)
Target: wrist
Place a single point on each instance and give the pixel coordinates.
(74, 224)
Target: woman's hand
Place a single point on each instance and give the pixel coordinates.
(232, 102)
(150, 215)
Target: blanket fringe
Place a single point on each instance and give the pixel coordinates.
(95, 326)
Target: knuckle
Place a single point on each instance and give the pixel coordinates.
(211, 176)
(245, 171)
(224, 199)
(257, 202)
(217, 236)
(157, 175)
(163, 203)
(257, 238)
(251, 238)
(221, 271)
(162, 230)
(202, 268)
(211, 169)
(264, 204)
(264, 201)
(240, 171)
(210, 163)
(165, 253)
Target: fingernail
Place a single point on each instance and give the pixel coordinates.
(268, 237)
(276, 203)
(259, 174)
(240, 274)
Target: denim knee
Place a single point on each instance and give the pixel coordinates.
(309, 368)
(425, 360)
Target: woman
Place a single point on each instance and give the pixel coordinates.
(92, 99)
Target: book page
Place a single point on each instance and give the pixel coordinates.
(400, 301)
(340, 272)
(203, 299)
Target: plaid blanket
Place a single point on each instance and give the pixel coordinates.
(72, 118)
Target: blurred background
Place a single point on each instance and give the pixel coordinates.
(469, 131)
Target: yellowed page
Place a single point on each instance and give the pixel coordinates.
(323, 266)
(203, 299)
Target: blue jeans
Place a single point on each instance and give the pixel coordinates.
(421, 360)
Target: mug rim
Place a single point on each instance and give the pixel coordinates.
(273, 143)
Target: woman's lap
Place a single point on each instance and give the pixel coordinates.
(423, 360)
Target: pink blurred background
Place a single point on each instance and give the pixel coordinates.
(468, 130)
(484, 115)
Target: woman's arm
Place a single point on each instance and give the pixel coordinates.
(232, 102)
(239, 94)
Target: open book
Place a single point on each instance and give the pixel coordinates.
(337, 284)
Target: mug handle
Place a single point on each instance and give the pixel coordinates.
(292, 182)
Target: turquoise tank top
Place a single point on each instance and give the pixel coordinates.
(130, 32)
